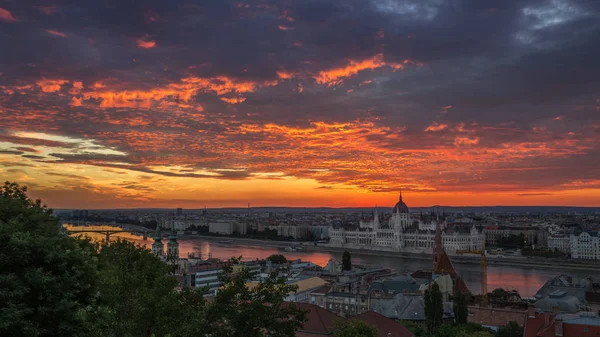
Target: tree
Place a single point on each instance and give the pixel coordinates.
(434, 307)
(136, 293)
(512, 329)
(46, 279)
(277, 259)
(461, 330)
(346, 261)
(354, 328)
(461, 309)
(55, 285)
(414, 328)
(237, 311)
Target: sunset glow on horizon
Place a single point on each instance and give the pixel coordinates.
(328, 103)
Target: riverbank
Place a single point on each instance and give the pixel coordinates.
(308, 246)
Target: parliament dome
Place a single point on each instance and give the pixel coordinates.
(400, 206)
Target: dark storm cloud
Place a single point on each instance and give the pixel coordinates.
(516, 81)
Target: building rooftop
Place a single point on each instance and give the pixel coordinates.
(385, 327)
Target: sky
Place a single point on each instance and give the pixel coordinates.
(182, 103)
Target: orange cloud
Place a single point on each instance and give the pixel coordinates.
(6, 16)
(50, 85)
(436, 127)
(145, 44)
(460, 141)
(75, 101)
(56, 33)
(335, 76)
(233, 100)
(284, 75)
(183, 91)
(284, 28)
(77, 87)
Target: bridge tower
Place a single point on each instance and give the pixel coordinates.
(158, 248)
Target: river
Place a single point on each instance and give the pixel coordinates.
(526, 280)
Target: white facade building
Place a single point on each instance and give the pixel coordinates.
(227, 227)
(299, 232)
(403, 233)
(561, 243)
(585, 245)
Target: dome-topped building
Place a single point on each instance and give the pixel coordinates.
(400, 205)
(400, 232)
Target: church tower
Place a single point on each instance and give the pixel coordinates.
(158, 248)
(438, 248)
(173, 245)
(376, 223)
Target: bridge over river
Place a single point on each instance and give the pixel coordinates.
(106, 230)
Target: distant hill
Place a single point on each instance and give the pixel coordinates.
(447, 209)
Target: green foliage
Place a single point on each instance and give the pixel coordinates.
(136, 293)
(511, 242)
(277, 259)
(434, 307)
(54, 285)
(346, 261)
(414, 328)
(462, 330)
(499, 294)
(238, 311)
(354, 328)
(542, 252)
(461, 309)
(46, 279)
(512, 329)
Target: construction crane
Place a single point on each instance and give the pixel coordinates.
(484, 291)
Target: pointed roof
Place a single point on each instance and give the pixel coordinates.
(442, 263)
(157, 236)
(400, 206)
(173, 235)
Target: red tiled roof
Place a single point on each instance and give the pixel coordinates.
(535, 328)
(533, 325)
(444, 265)
(548, 331)
(496, 316)
(385, 326)
(320, 321)
(579, 330)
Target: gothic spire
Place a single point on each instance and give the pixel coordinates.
(157, 232)
(400, 199)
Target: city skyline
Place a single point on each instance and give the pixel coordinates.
(312, 103)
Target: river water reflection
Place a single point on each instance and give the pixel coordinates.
(526, 280)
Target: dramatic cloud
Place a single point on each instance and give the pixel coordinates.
(6, 16)
(146, 44)
(56, 33)
(337, 103)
